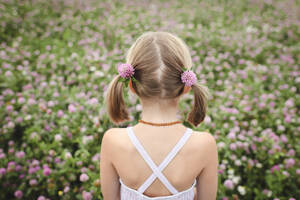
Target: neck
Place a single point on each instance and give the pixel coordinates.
(158, 112)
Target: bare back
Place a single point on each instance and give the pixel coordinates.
(181, 172)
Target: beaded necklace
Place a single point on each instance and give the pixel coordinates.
(159, 124)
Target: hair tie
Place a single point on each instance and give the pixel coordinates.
(189, 78)
(125, 70)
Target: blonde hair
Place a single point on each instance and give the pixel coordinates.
(158, 58)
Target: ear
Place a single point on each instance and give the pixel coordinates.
(186, 89)
(130, 86)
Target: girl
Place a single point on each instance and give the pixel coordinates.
(158, 158)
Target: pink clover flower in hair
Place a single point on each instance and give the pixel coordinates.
(125, 70)
(189, 78)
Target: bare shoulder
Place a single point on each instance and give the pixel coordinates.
(113, 135)
(205, 140)
(205, 146)
(115, 138)
(206, 135)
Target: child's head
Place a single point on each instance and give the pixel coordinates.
(158, 59)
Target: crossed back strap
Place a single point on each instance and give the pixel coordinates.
(157, 171)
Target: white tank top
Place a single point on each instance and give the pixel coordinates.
(128, 193)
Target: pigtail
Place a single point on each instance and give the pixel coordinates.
(198, 112)
(116, 107)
